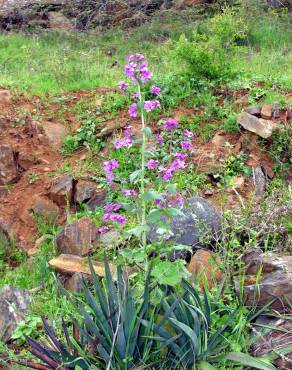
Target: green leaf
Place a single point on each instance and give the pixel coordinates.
(173, 212)
(203, 365)
(151, 195)
(135, 175)
(169, 273)
(147, 132)
(138, 230)
(155, 215)
(171, 188)
(247, 360)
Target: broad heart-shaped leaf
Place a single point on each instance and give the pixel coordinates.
(135, 176)
(138, 230)
(154, 215)
(147, 132)
(173, 212)
(169, 273)
(151, 195)
(247, 360)
(137, 255)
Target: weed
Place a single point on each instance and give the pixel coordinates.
(33, 177)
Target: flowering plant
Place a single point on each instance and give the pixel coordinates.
(152, 207)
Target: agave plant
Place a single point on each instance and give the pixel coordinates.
(113, 336)
(185, 335)
(58, 355)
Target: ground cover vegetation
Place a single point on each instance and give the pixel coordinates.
(171, 85)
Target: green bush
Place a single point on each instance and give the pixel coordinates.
(209, 54)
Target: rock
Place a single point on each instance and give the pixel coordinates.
(55, 132)
(79, 238)
(59, 22)
(5, 97)
(44, 207)
(75, 282)
(8, 169)
(14, 306)
(6, 238)
(70, 264)
(240, 102)
(267, 112)
(268, 277)
(111, 240)
(200, 220)
(219, 139)
(237, 182)
(205, 268)
(62, 190)
(261, 127)
(98, 200)
(259, 181)
(186, 3)
(84, 191)
(270, 335)
(276, 111)
(254, 111)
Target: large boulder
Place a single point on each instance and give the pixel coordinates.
(201, 220)
(268, 279)
(8, 169)
(61, 191)
(84, 191)
(44, 207)
(79, 238)
(14, 306)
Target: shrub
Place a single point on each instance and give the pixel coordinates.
(209, 54)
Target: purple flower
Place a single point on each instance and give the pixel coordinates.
(110, 165)
(152, 163)
(180, 201)
(123, 86)
(170, 124)
(167, 174)
(145, 73)
(114, 217)
(133, 110)
(177, 164)
(187, 145)
(129, 192)
(159, 139)
(112, 207)
(119, 143)
(130, 70)
(128, 132)
(134, 95)
(103, 229)
(189, 134)
(180, 156)
(149, 105)
(155, 90)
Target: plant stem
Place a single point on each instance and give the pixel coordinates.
(143, 218)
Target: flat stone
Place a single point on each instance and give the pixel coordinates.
(14, 306)
(62, 190)
(201, 219)
(79, 238)
(8, 170)
(55, 132)
(254, 111)
(70, 264)
(84, 191)
(268, 277)
(205, 269)
(261, 127)
(44, 207)
(267, 112)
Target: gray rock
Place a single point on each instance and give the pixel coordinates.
(44, 207)
(74, 283)
(55, 133)
(254, 111)
(14, 305)
(259, 181)
(62, 190)
(98, 200)
(84, 191)
(201, 220)
(268, 277)
(79, 238)
(8, 169)
(111, 239)
(259, 126)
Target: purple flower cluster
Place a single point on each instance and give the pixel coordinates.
(137, 68)
(133, 110)
(111, 215)
(126, 141)
(152, 163)
(170, 124)
(109, 167)
(177, 164)
(155, 90)
(123, 86)
(170, 200)
(150, 105)
(188, 134)
(129, 192)
(186, 145)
